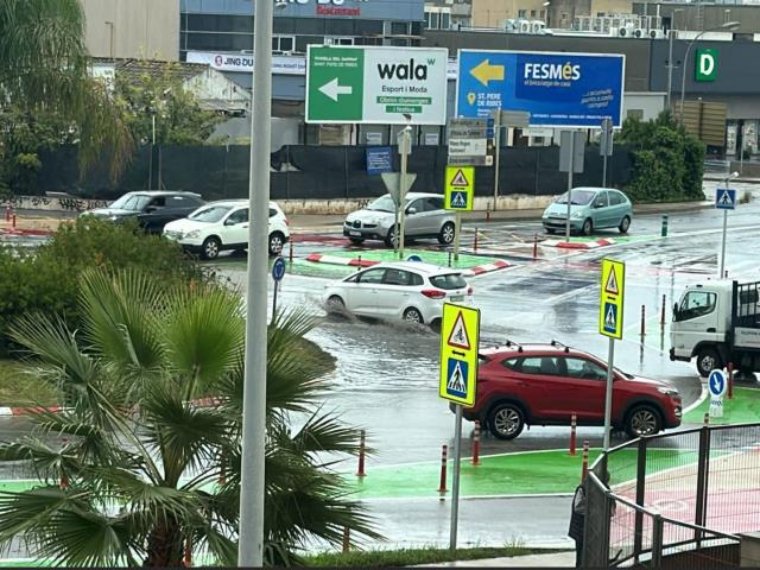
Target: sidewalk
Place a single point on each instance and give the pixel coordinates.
(550, 560)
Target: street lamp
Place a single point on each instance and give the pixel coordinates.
(671, 34)
(546, 13)
(724, 26)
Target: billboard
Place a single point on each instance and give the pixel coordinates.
(561, 90)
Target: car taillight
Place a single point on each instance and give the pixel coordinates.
(433, 293)
(469, 290)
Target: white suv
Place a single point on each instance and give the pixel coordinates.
(408, 290)
(224, 225)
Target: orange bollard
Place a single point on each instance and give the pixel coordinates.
(730, 380)
(643, 320)
(475, 241)
(662, 312)
(362, 451)
(476, 444)
(13, 223)
(535, 246)
(584, 465)
(573, 426)
(442, 485)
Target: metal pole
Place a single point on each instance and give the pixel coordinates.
(570, 184)
(497, 141)
(670, 71)
(608, 395)
(457, 234)
(152, 147)
(274, 300)
(455, 478)
(252, 489)
(723, 245)
(604, 171)
(402, 190)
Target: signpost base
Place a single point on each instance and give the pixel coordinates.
(455, 479)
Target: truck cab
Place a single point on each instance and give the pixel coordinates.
(717, 322)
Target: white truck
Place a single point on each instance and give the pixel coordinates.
(718, 322)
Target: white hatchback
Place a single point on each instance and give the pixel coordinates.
(408, 290)
(224, 225)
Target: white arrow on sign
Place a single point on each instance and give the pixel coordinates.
(333, 89)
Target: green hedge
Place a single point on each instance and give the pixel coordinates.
(668, 162)
(47, 278)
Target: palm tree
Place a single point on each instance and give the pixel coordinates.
(44, 66)
(132, 471)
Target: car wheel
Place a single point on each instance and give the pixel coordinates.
(391, 237)
(276, 243)
(356, 241)
(506, 421)
(210, 248)
(447, 234)
(625, 223)
(643, 420)
(412, 315)
(708, 360)
(588, 227)
(335, 304)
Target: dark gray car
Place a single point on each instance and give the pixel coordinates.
(153, 209)
(425, 218)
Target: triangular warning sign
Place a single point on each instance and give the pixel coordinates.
(612, 284)
(456, 380)
(458, 200)
(460, 180)
(459, 337)
(610, 321)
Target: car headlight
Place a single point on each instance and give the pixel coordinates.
(193, 234)
(672, 392)
(113, 218)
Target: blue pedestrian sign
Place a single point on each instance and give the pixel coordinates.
(571, 90)
(725, 199)
(457, 378)
(717, 383)
(278, 269)
(458, 201)
(610, 317)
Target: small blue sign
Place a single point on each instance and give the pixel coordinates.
(278, 269)
(458, 201)
(414, 258)
(379, 159)
(717, 384)
(725, 199)
(457, 377)
(557, 89)
(610, 318)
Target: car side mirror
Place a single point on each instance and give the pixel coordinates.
(599, 205)
(411, 211)
(229, 222)
(150, 209)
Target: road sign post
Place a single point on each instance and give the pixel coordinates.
(611, 305)
(725, 199)
(459, 197)
(511, 119)
(717, 385)
(403, 187)
(605, 146)
(460, 338)
(278, 272)
(571, 153)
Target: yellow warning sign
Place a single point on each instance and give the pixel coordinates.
(460, 333)
(460, 187)
(611, 302)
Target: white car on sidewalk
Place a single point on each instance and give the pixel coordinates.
(408, 290)
(223, 225)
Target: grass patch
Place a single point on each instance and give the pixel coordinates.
(18, 388)
(744, 408)
(411, 556)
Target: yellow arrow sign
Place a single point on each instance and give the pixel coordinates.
(485, 72)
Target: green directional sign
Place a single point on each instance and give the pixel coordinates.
(382, 85)
(706, 65)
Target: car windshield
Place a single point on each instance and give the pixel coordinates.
(449, 281)
(134, 202)
(580, 197)
(210, 214)
(383, 204)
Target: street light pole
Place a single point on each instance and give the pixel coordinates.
(684, 64)
(252, 489)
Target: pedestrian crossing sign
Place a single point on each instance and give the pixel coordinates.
(460, 332)
(460, 188)
(725, 199)
(611, 302)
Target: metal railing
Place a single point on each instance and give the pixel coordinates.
(677, 496)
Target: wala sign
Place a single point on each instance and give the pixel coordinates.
(328, 7)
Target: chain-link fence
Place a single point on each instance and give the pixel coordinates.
(675, 500)
(317, 172)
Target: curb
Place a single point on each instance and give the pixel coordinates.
(15, 411)
(359, 262)
(25, 232)
(578, 244)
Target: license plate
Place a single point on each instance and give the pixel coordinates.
(458, 298)
(355, 234)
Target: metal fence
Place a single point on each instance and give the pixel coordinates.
(675, 500)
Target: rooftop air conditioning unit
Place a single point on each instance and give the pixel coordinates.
(639, 33)
(524, 27)
(537, 27)
(624, 33)
(656, 34)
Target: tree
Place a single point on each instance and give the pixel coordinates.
(143, 475)
(44, 69)
(146, 90)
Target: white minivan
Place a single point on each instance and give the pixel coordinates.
(224, 225)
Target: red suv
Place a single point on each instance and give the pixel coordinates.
(544, 384)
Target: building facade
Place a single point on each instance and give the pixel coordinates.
(147, 29)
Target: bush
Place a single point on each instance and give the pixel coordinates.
(47, 279)
(668, 162)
